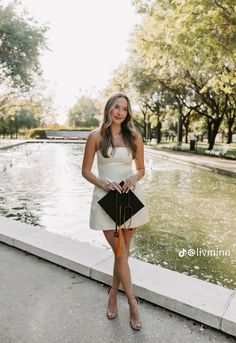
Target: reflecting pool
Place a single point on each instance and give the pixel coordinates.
(193, 223)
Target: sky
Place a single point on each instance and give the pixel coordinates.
(88, 39)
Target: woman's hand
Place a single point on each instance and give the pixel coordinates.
(111, 186)
(130, 183)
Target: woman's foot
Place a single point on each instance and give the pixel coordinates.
(135, 322)
(112, 303)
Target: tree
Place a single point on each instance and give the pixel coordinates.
(20, 114)
(21, 41)
(84, 113)
(189, 43)
(146, 93)
(224, 87)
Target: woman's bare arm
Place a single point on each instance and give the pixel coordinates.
(139, 163)
(139, 160)
(88, 159)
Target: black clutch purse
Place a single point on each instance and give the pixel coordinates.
(120, 207)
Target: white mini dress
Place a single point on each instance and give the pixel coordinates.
(115, 168)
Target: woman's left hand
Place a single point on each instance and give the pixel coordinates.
(130, 183)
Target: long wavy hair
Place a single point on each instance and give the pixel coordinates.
(127, 128)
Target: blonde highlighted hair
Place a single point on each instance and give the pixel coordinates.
(127, 128)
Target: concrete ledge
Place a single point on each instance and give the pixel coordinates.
(8, 145)
(191, 297)
(229, 317)
(58, 249)
(205, 302)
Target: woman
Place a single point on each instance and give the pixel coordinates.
(116, 144)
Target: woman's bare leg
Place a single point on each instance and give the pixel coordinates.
(122, 273)
(112, 302)
(128, 235)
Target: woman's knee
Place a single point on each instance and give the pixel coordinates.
(113, 241)
(120, 260)
(128, 236)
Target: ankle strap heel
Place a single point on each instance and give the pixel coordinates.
(136, 324)
(111, 314)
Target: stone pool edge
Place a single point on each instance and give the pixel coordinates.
(223, 170)
(207, 303)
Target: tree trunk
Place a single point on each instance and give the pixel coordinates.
(209, 131)
(159, 125)
(215, 129)
(145, 125)
(230, 123)
(186, 125)
(155, 133)
(180, 128)
(229, 137)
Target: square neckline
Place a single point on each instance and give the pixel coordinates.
(117, 147)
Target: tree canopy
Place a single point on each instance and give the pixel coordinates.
(84, 113)
(188, 47)
(21, 41)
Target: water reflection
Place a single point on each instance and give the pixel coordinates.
(42, 184)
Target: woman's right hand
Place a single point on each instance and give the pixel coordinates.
(111, 186)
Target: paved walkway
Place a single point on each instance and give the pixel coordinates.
(9, 142)
(220, 165)
(43, 302)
